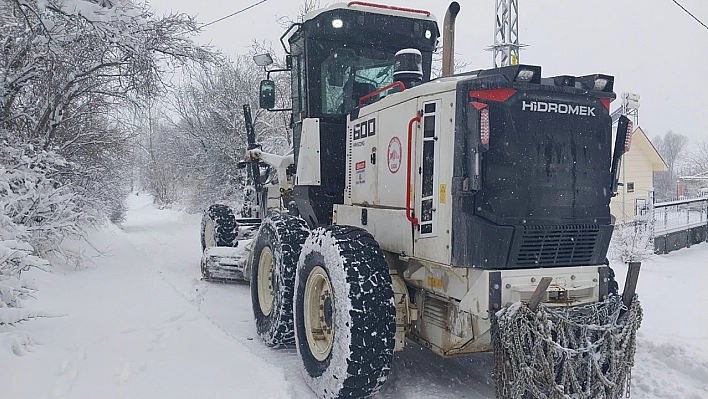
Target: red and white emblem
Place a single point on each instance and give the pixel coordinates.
(394, 155)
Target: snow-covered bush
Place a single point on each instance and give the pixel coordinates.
(632, 242)
(36, 208)
(15, 256)
(33, 218)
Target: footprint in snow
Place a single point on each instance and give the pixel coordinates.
(68, 372)
(164, 336)
(128, 370)
(19, 342)
(176, 317)
(81, 353)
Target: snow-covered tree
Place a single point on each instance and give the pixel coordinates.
(698, 158)
(201, 138)
(672, 147)
(67, 68)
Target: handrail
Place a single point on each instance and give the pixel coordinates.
(381, 90)
(374, 5)
(409, 215)
(282, 38)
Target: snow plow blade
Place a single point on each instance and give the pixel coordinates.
(224, 263)
(228, 264)
(581, 352)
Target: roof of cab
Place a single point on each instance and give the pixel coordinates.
(374, 8)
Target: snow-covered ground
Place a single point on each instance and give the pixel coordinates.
(137, 322)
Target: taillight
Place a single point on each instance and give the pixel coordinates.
(498, 95)
(484, 127)
(628, 139)
(606, 103)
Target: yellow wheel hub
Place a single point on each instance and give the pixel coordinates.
(265, 281)
(318, 313)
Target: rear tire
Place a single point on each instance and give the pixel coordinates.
(345, 316)
(219, 227)
(275, 256)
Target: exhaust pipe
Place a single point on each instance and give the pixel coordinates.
(448, 55)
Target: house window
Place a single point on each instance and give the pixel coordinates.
(630, 187)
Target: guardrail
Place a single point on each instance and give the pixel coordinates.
(680, 223)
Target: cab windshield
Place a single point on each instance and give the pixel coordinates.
(348, 75)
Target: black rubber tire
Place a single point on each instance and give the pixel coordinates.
(225, 226)
(284, 235)
(364, 318)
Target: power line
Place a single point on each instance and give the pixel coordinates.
(231, 15)
(689, 13)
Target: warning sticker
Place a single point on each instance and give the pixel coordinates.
(435, 282)
(361, 172)
(394, 155)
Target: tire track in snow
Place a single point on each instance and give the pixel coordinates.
(194, 291)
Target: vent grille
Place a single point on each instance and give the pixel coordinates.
(435, 312)
(570, 245)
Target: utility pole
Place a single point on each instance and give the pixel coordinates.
(506, 34)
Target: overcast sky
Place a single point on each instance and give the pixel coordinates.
(652, 47)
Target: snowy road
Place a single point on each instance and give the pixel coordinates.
(139, 323)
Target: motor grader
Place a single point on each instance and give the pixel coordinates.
(429, 209)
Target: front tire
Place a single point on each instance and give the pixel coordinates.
(219, 227)
(345, 316)
(275, 256)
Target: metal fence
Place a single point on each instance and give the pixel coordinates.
(678, 224)
(680, 215)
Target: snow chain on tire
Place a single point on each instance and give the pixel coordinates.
(220, 220)
(583, 352)
(358, 314)
(280, 237)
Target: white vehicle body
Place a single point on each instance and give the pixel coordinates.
(449, 312)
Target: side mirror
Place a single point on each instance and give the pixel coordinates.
(263, 59)
(266, 99)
